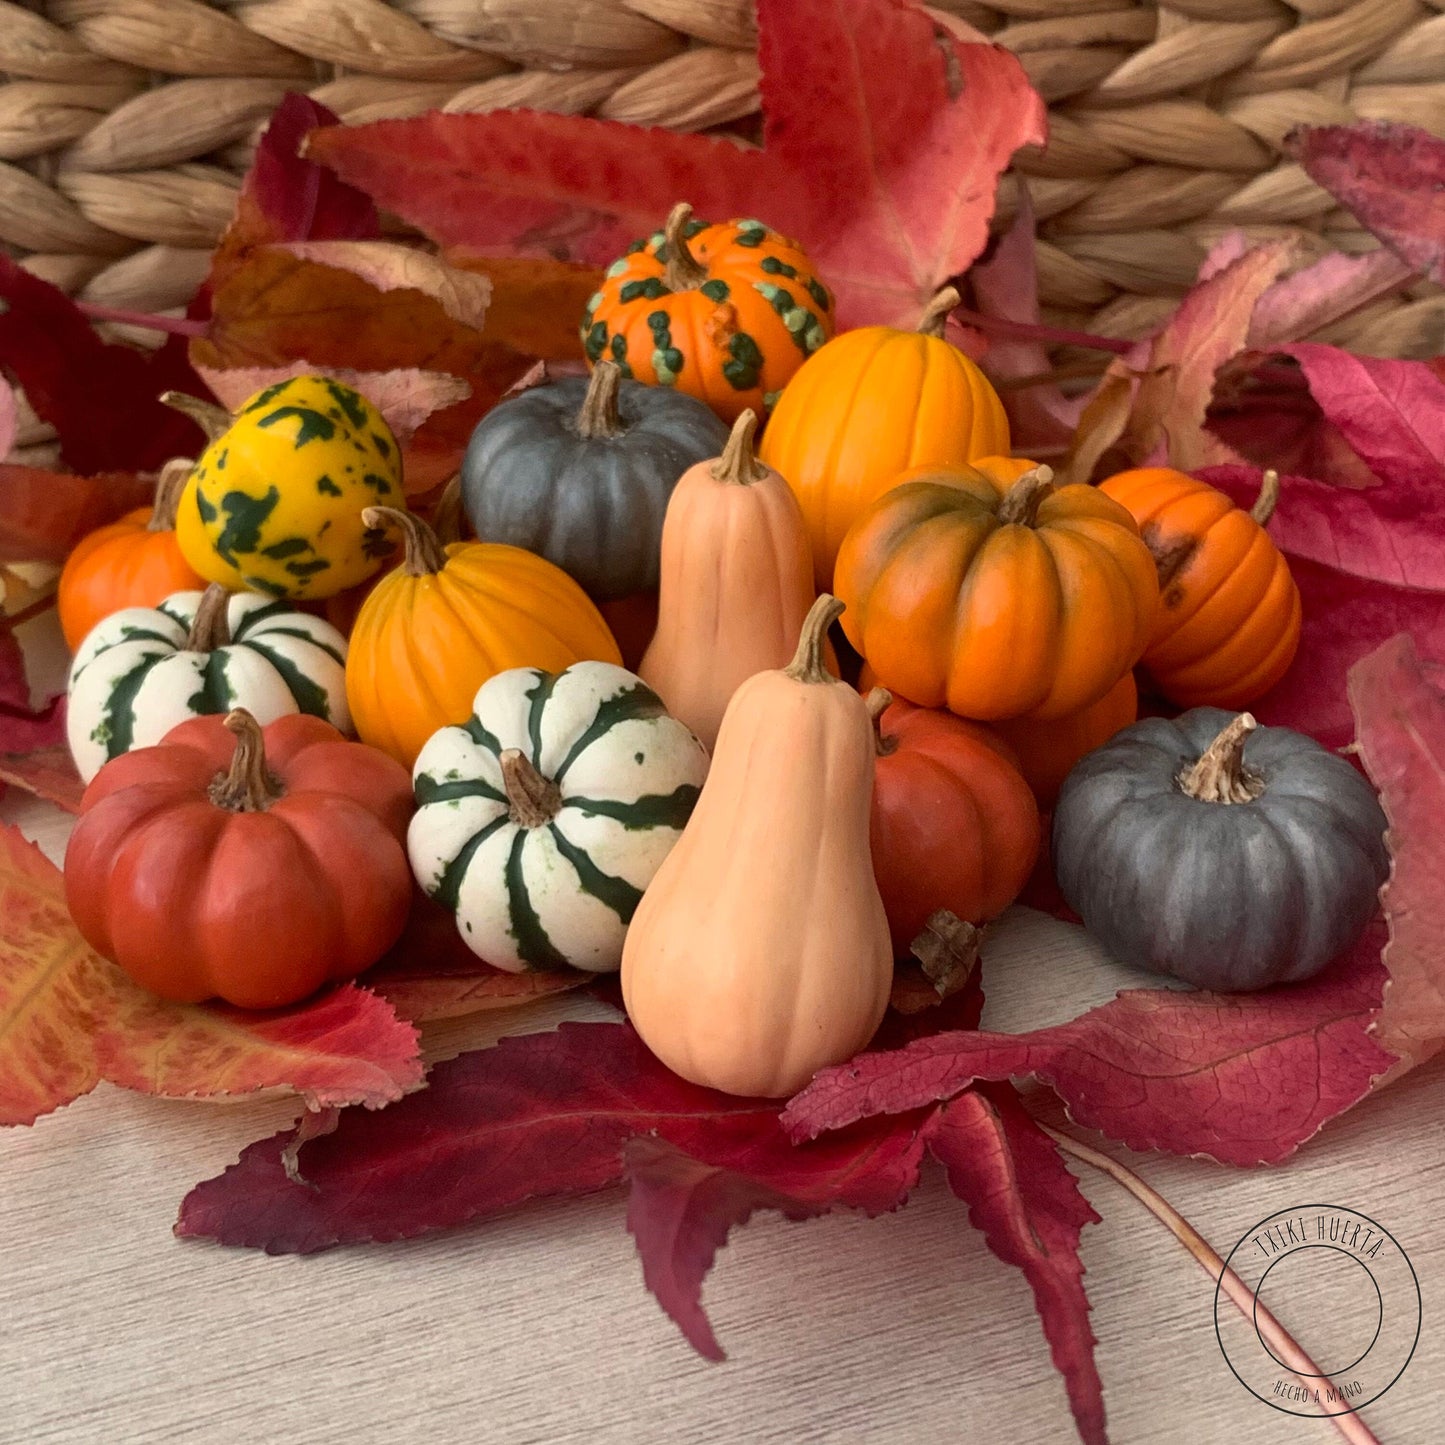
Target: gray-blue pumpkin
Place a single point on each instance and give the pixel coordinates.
(580, 472)
(1229, 855)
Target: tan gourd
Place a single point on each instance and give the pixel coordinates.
(736, 583)
(760, 952)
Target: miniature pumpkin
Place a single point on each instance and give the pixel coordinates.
(954, 823)
(997, 599)
(542, 819)
(143, 670)
(247, 864)
(133, 562)
(274, 503)
(438, 626)
(1047, 751)
(872, 403)
(580, 472)
(1229, 616)
(726, 313)
(737, 582)
(1228, 855)
(760, 953)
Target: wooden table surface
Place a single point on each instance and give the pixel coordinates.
(536, 1327)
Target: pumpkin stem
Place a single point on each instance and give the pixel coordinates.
(947, 951)
(878, 701)
(684, 271)
(739, 463)
(425, 556)
(1021, 503)
(533, 799)
(1268, 498)
(599, 416)
(935, 314)
(807, 663)
(249, 787)
(210, 628)
(1220, 775)
(446, 517)
(214, 420)
(169, 485)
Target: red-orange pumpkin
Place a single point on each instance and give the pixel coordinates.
(244, 864)
(1228, 624)
(954, 824)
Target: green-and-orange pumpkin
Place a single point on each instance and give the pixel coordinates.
(726, 313)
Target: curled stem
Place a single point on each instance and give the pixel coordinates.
(1220, 775)
(425, 555)
(210, 628)
(248, 787)
(169, 485)
(599, 416)
(935, 314)
(684, 271)
(739, 463)
(807, 664)
(1268, 498)
(1021, 503)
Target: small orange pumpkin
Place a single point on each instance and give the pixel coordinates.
(1229, 618)
(726, 313)
(873, 402)
(994, 597)
(133, 562)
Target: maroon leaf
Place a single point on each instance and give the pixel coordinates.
(1392, 177)
(47, 772)
(23, 731)
(1242, 1078)
(1023, 1199)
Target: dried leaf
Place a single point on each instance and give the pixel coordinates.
(462, 295)
(46, 513)
(1323, 293)
(47, 772)
(883, 140)
(1392, 177)
(536, 301)
(1028, 1206)
(1401, 715)
(1242, 1078)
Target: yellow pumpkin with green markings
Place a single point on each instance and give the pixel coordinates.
(274, 503)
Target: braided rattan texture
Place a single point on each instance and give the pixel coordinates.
(125, 124)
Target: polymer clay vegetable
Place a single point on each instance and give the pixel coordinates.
(436, 627)
(1226, 854)
(579, 472)
(737, 582)
(954, 823)
(133, 562)
(997, 598)
(274, 504)
(1229, 610)
(143, 670)
(726, 313)
(872, 403)
(761, 953)
(542, 818)
(1047, 751)
(243, 863)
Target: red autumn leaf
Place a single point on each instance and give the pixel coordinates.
(1242, 1078)
(100, 397)
(47, 772)
(430, 973)
(1392, 177)
(23, 730)
(9, 419)
(1401, 713)
(46, 513)
(883, 140)
(1322, 293)
(1368, 564)
(1023, 1199)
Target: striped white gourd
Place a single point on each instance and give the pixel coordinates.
(143, 670)
(542, 819)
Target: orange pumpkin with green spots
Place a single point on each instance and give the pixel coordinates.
(726, 313)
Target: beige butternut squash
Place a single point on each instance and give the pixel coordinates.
(760, 952)
(736, 582)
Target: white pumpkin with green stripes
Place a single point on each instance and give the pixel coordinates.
(143, 670)
(541, 820)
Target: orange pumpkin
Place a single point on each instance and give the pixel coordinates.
(871, 403)
(1228, 625)
(1047, 751)
(436, 628)
(726, 313)
(997, 598)
(133, 562)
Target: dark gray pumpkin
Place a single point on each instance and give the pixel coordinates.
(1266, 887)
(580, 472)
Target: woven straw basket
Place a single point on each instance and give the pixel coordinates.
(125, 124)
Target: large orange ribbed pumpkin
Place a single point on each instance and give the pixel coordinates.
(997, 597)
(1229, 616)
(868, 405)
